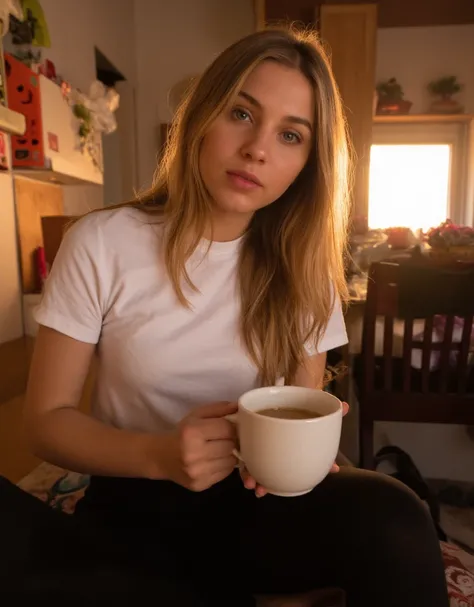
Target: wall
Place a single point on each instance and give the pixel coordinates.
(175, 40)
(76, 28)
(417, 55)
(125, 155)
(154, 44)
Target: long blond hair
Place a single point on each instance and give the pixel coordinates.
(291, 264)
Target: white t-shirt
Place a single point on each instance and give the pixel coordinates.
(157, 359)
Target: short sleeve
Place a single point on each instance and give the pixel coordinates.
(335, 334)
(74, 294)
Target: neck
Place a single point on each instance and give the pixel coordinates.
(225, 227)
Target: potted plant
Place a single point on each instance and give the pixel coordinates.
(390, 98)
(443, 90)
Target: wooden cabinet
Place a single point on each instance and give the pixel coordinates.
(350, 32)
(260, 13)
(391, 13)
(34, 200)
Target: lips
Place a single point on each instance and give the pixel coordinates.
(250, 177)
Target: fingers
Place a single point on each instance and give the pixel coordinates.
(198, 432)
(249, 481)
(223, 466)
(220, 409)
(206, 473)
(210, 421)
(216, 449)
(335, 468)
(251, 484)
(217, 429)
(345, 409)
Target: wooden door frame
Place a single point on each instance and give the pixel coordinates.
(259, 10)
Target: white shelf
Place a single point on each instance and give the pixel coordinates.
(12, 122)
(414, 118)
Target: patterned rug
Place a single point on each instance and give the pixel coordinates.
(62, 490)
(55, 486)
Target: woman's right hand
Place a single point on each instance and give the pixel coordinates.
(200, 453)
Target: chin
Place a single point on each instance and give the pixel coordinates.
(237, 204)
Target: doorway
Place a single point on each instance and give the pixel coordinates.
(119, 147)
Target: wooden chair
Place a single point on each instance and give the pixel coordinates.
(389, 388)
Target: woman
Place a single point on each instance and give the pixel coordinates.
(227, 275)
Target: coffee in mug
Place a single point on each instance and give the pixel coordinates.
(289, 413)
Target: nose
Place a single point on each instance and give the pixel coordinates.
(255, 148)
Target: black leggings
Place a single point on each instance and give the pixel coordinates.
(135, 540)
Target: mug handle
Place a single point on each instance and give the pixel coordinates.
(233, 419)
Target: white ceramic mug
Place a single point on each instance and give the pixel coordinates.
(288, 457)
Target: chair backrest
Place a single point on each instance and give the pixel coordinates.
(443, 296)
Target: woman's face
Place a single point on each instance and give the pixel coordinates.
(257, 147)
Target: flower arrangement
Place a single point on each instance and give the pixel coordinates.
(83, 114)
(95, 113)
(452, 239)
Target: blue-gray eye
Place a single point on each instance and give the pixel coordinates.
(240, 114)
(290, 137)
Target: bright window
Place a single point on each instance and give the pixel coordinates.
(409, 185)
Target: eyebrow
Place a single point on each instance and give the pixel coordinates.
(294, 119)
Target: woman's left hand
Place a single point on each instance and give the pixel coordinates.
(251, 483)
